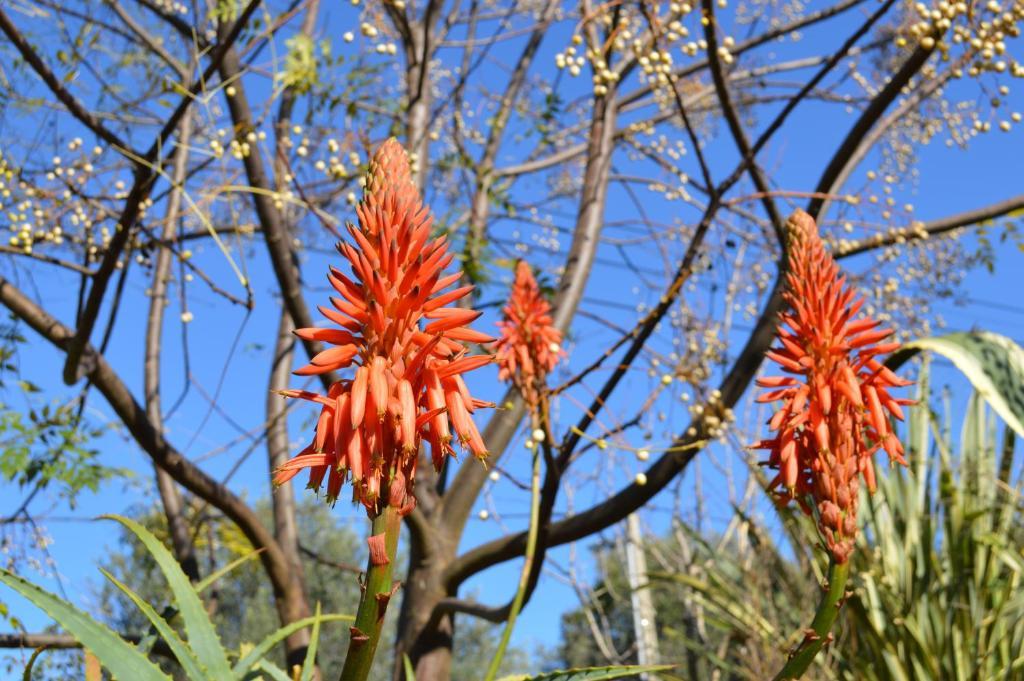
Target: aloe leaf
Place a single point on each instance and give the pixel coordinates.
(410, 673)
(113, 652)
(271, 670)
(263, 647)
(993, 364)
(202, 637)
(309, 664)
(590, 673)
(188, 661)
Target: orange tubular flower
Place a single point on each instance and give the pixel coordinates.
(836, 402)
(407, 384)
(530, 345)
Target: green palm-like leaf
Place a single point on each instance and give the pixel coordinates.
(202, 637)
(118, 656)
(938, 568)
(590, 673)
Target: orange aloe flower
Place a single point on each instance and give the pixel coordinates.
(530, 345)
(836, 401)
(407, 381)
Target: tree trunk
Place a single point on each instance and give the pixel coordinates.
(170, 495)
(427, 643)
(283, 498)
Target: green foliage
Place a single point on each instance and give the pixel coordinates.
(119, 656)
(938, 571)
(242, 604)
(994, 365)
(300, 68)
(547, 121)
(202, 636)
(225, 11)
(201, 658)
(935, 586)
(44, 444)
(47, 445)
(725, 604)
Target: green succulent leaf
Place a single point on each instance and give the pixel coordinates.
(271, 670)
(202, 637)
(257, 653)
(309, 664)
(188, 661)
(120, 657)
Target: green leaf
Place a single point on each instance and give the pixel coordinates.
(211, 578)
(272, 670)
(118, 656)
(994, 364)
(252, 657)
(202, 637)
(591, 673)
(410, 673)
(309, 664)
(188, 661)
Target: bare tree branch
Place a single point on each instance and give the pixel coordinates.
(170, 496)
(924, 230)
(151, 440)
(54, 84)
(145, 177)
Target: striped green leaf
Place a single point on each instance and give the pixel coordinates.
(993, 364)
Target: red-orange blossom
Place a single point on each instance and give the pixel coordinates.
(529, 345)
(407, 382)
(836, 401)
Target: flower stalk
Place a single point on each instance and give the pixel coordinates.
(819, 633)
(835, 413)
(528, 348)
(404, 347)
(524, 575)
(377, 593)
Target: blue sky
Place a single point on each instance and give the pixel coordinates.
(950, 181)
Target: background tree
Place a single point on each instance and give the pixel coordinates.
(931, 595)
(198, 158)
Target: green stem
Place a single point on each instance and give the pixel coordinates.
(365, 633)
(524, 576)
(824, 618)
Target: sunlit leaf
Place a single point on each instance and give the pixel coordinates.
(993, 364)
(118, 656)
